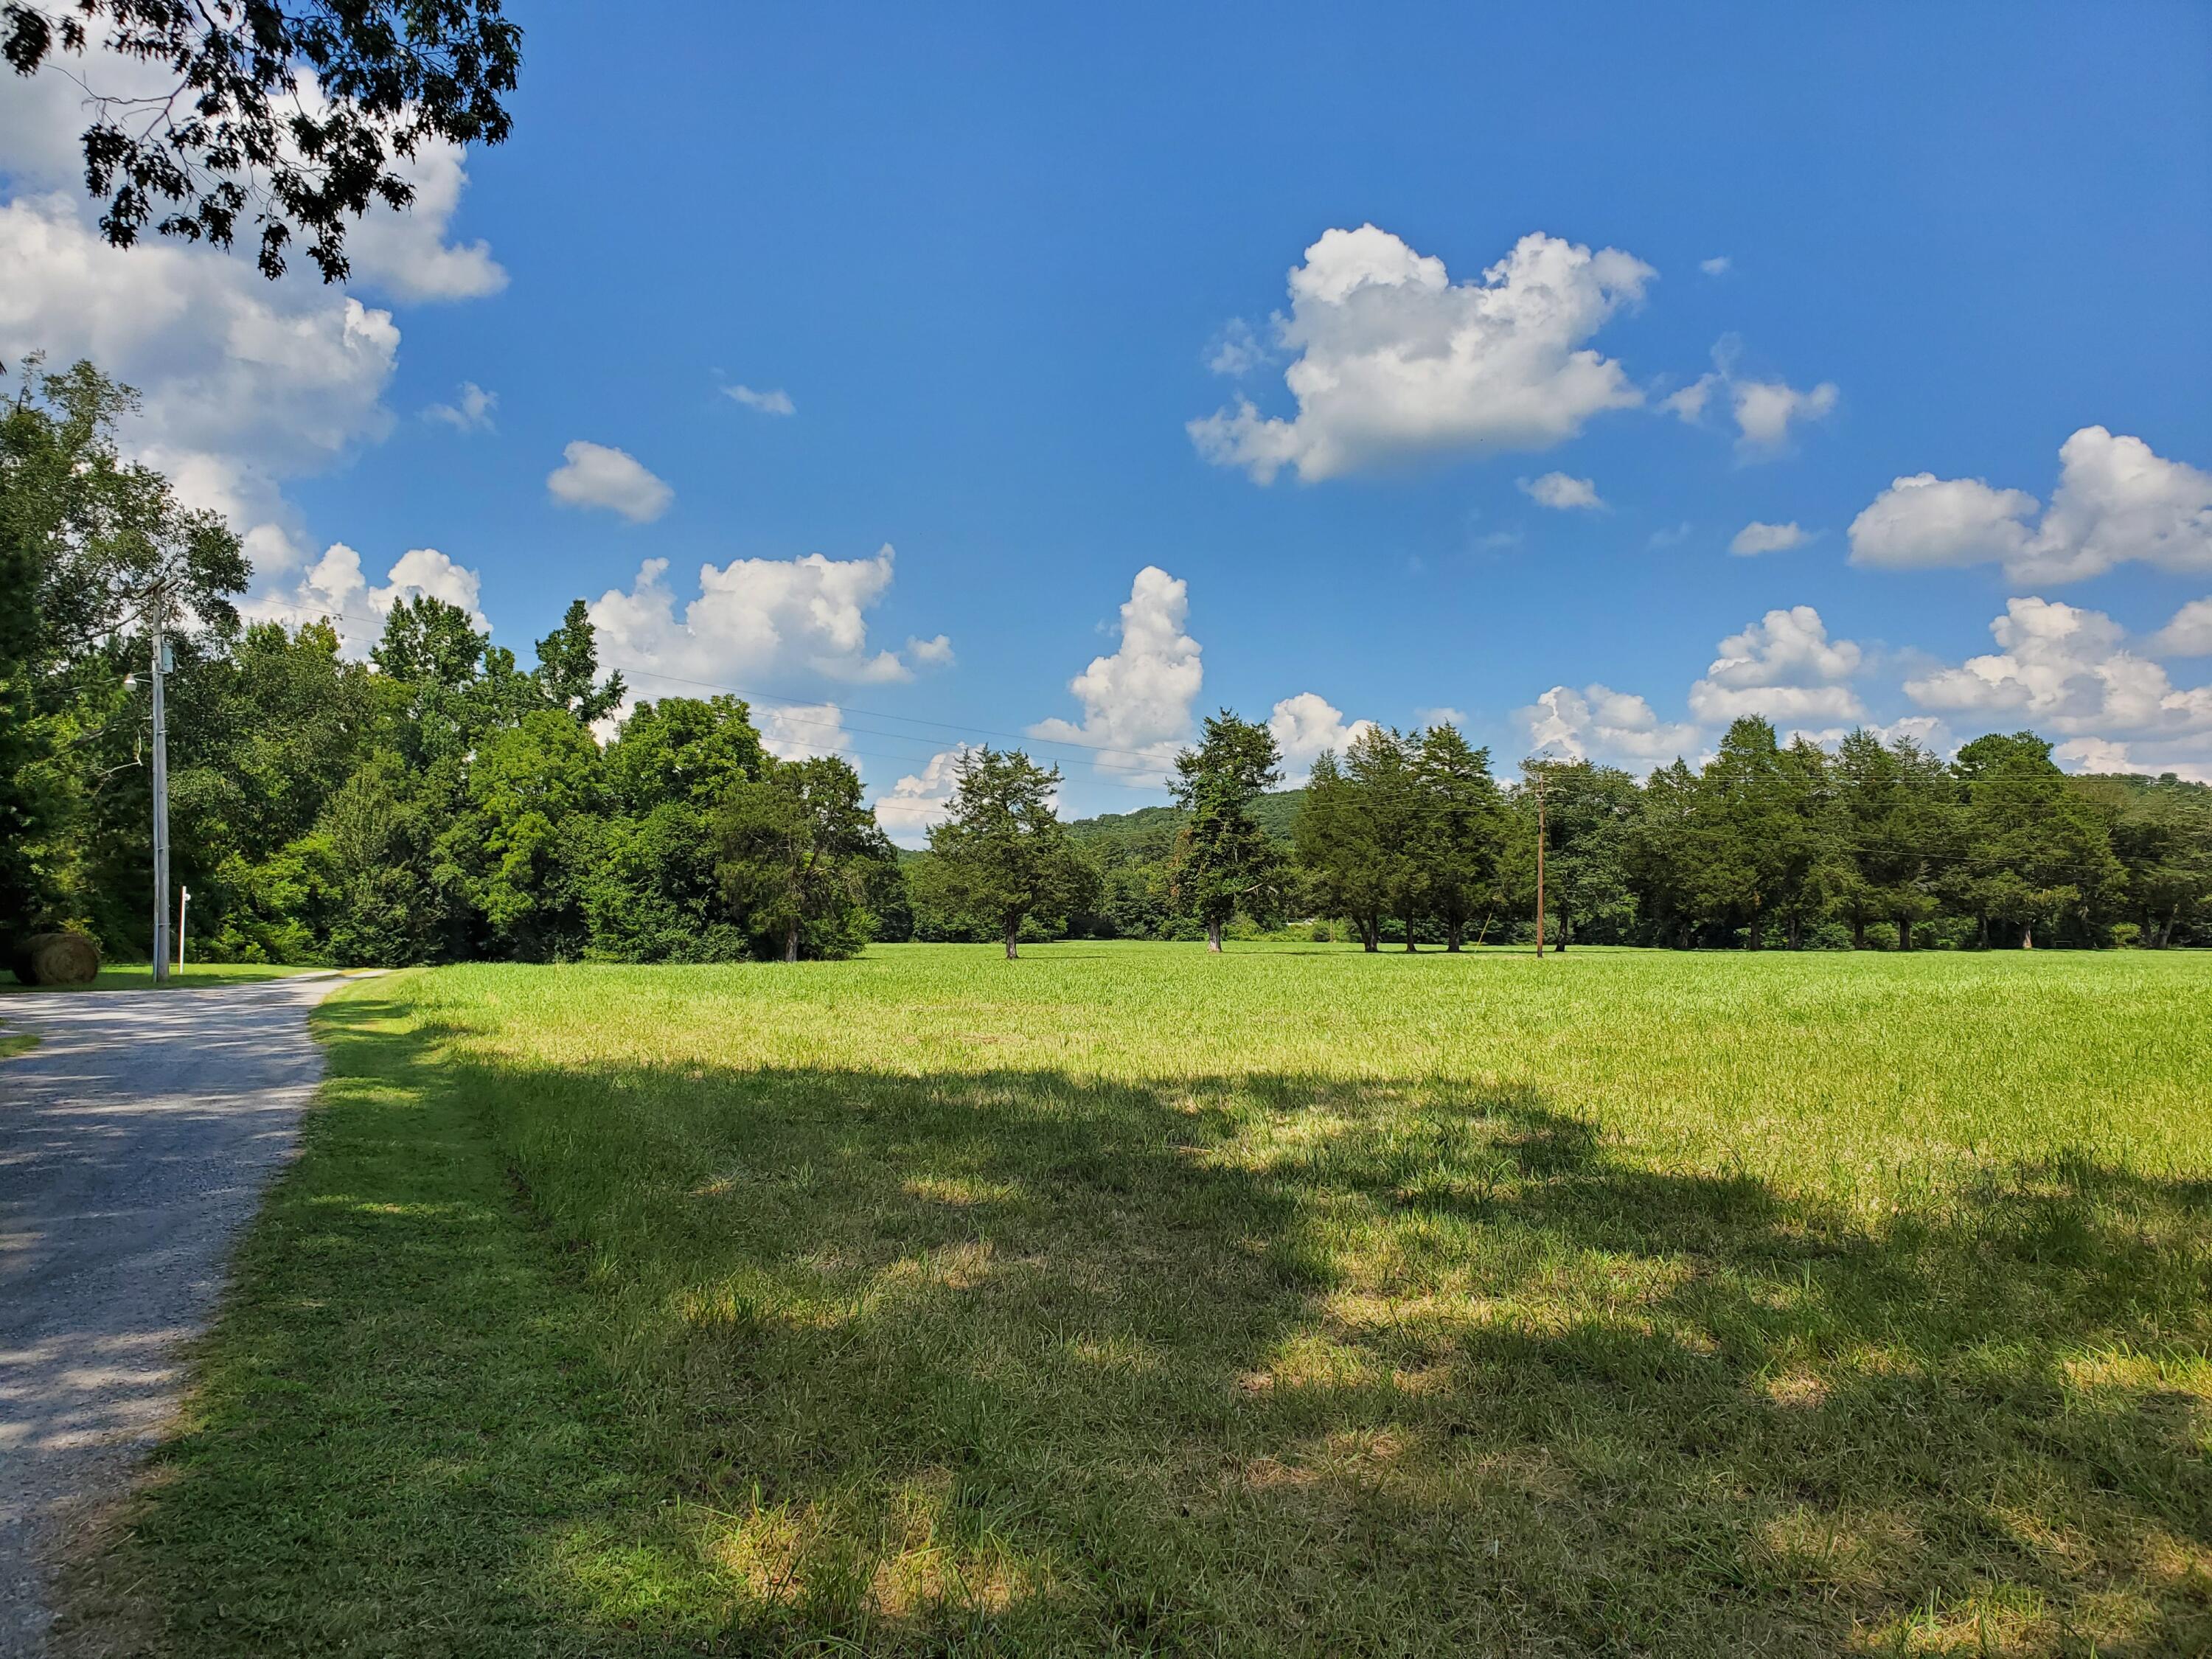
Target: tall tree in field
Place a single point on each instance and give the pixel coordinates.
(228, 135)
(1337, 850)
(1223, 861)
(2036, 849)
(1754, 836)
(1003, 855)
(1461, 830)
(799, 853)
(567, 669)
(1379, 765)
(2162, 835)
(1889, 835)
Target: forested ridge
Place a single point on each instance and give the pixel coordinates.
(441, 801)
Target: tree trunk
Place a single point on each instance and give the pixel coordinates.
(1797, 932)
(1566, 929)
(1755, 921)
(1013, 934)
(1453, 935)
(1370, 935)
(1985, 933)
(1905, 933)
(2028, 936)
(1213, 936)
(1409, 934)
(791, 943)
(1859, 932)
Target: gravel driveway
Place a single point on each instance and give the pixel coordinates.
(135, 1142)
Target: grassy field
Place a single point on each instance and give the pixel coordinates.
(1121, 1300)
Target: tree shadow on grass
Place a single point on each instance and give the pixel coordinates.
(1019, 1361)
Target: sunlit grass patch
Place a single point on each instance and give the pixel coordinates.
(1121, 1299)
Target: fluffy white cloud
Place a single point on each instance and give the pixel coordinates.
(931, 653)
(594, 475)
(1718, 265)
(469, 411)
(2188, 634)
(919, 801)
(406, 253)
(1599, 723)
(1392, 359)
(1757, 537)
(403, 254)
(767, 402)
(242, 382)
(1305, 724)
(335, 586)
(1763, 410)
(2067, 670)
(1136, 702)
(802, 731)
(1784, 668)
(754, 620)
(2116, 501)
(1238, 352)
(1558, 491)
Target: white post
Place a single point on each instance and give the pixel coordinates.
(161, 801)
(183, 898)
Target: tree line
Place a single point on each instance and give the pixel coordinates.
(443, 802)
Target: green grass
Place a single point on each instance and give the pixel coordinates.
(1299, 1301)
(139, 977)
(17, 1042)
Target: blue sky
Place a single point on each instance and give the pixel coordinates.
(987, 255)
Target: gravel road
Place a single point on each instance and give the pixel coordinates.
(135, 1142)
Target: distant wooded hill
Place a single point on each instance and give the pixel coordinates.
(1148, 834)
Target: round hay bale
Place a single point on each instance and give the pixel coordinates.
(57, 959)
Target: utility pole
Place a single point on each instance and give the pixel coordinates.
(1540, 862)
(184, 899)
(162, 661)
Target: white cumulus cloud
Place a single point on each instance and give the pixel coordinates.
(2188, 634)
(2117, 501)
(1757, 537)
(469, 411)
(594, 475)
(808, 731)
(1305, 724)
(767, 402)
(1784, 668)
(1137, 703)
(1391, 359)
(755, 620)
(1763, 410)
(2063, 669)
(1599, 723)
(917, 803)
(1559, 491)
(243, 382)
(335, 586)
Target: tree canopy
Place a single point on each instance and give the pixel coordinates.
(290, 116)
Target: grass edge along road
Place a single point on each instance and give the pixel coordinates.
(1120, 1300)
(139, 977)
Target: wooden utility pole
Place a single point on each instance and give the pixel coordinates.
(162, 661)
(1540, 862)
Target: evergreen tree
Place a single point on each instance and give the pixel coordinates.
(1003, 855)
(1224, 861)
(1460, 828)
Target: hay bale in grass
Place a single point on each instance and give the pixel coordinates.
(56, 959)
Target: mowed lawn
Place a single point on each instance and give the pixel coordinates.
(1125, 1300)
